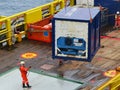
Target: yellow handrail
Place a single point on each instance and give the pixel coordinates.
(30, 16)
(112, 84)
(4, 40)
(2, 31)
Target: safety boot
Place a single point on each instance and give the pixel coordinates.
(24, 86)
(28, 86)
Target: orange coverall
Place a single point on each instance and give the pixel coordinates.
(117, 21)
(23, 71)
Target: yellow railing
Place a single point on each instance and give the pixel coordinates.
(14, 27)
(112, 84)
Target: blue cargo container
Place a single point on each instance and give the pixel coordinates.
(74, 36)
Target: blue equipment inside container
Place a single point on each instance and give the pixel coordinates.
(71, 46)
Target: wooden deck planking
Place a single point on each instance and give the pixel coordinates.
(107, 57)
(110, 51)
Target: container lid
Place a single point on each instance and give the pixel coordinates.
(75, 13)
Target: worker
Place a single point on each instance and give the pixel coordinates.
(24, 71)
(117, 20)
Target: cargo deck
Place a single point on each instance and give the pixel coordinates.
(91, 73)
(13, 31)
(37, 80)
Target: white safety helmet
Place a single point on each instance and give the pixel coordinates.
(118, 12)
(22, 62)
